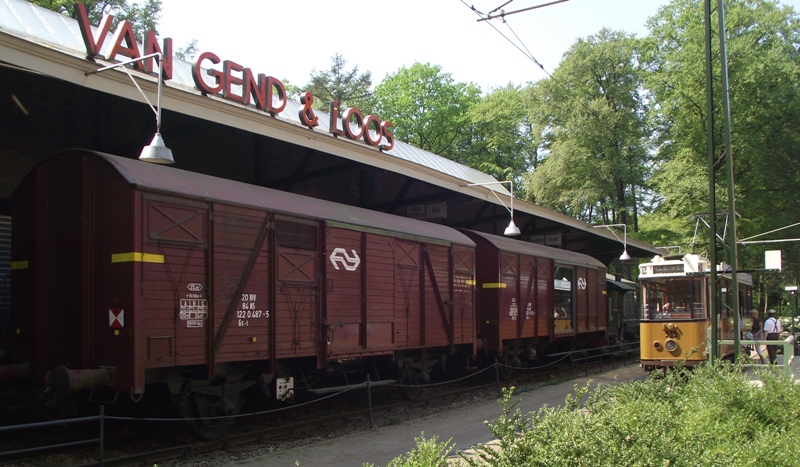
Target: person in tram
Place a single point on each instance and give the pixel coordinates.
(668, 308)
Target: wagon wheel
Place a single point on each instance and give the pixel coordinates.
(411, 383)
(203, 414)
(506, 367)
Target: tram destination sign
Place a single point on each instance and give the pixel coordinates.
(264, 92)
(668, 269)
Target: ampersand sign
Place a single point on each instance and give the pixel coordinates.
(306, 113)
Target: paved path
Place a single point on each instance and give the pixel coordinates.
(464, 426)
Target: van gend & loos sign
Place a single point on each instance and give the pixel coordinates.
(266, 93)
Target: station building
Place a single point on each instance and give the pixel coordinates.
(62, 86)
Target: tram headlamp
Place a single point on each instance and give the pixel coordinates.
(671, 345)
(657, 345)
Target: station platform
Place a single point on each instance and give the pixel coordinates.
(793, 370)
(464, 427)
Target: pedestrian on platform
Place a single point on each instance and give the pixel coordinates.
(756, 332)
(772, 330)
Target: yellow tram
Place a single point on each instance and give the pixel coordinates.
(675, 310)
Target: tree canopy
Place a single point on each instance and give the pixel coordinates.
(762, 39)
(502, 142)
(589, 117)
(348, 87)
(428, 108)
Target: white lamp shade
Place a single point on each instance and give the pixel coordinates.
(512, 229)
(157, 153)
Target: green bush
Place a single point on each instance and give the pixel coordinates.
(428, 453)
(707, 416)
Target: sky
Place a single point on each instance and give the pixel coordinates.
(290, 39)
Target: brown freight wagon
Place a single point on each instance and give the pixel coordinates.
(128, 274)
(536, 299)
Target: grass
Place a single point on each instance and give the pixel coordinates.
(707, 416)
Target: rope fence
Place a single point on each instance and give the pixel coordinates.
(585, 358)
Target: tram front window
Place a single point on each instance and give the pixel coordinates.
(672, 298)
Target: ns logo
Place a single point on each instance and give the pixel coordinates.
(340, 256)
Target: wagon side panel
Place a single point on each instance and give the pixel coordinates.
(527, 306)
(175, 308)
(601, 300)
(241, 290)
(408, 275)
(545, 298)
(438, 316)
(464, 295)
(584, 299)
(345, 294)
(117, 293)
(380, 332)
(509, 306)
(297, 305)
(489, 293)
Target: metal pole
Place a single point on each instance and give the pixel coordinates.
(794, 311)
(497, 377)
(712, 202)
(102, 433)
(158, 101)
(726, 104)
(369, 400)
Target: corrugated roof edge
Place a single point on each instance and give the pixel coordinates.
(170, 180)
(535, 249)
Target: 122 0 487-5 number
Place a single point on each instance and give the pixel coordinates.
(247, 309)
(244, 314)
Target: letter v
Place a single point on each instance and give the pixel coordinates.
(92, 47)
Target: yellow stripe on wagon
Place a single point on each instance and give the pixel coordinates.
(494, 285)
(136, 256)
(20, 265)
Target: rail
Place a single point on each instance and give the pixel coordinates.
(100, 440)
(788, 352)
(583, 359)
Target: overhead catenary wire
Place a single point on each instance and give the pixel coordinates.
(516, 46)
(504, 14)
(766, 233)
(501, 6)
(570, 93)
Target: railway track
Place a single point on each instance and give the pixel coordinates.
(134, 444)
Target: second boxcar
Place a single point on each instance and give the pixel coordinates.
(535, 299)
